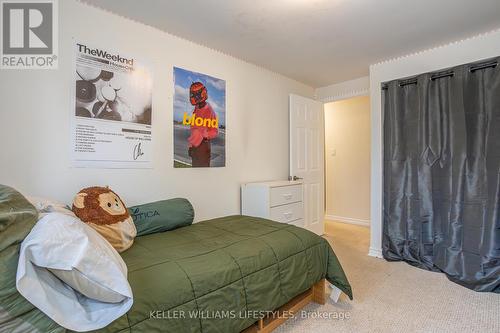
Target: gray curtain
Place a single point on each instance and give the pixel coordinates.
(441, 208)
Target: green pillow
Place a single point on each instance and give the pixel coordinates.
(17, 217)
(162, 215)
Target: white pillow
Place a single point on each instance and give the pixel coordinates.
(82, 258)
(86, 286)
(44, 206)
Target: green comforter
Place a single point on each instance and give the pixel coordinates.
(220, 275)
(213, 276)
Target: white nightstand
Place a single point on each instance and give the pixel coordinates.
(280, 201)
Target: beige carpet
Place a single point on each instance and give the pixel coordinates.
(394, 297)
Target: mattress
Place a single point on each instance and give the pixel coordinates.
(220, 275)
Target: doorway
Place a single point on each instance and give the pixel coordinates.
(347, 162)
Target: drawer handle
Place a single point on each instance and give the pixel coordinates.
(287, 196)
(288, 215)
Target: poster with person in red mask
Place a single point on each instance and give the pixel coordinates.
(199, 120)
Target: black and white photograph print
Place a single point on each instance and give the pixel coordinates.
(111, 90)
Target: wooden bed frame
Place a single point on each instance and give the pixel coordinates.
(315, 294)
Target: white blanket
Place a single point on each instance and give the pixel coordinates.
(60, 241)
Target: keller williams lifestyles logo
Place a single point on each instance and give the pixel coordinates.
(29, 34)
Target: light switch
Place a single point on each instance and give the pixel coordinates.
(333, 152)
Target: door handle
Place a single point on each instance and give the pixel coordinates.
(296, 178)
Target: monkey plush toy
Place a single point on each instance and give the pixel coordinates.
(103, 210)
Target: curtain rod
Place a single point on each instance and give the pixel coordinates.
(472, 69)
(491, 64)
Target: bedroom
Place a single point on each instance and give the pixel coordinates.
(249, 56)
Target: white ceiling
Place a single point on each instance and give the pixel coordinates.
(318, 42)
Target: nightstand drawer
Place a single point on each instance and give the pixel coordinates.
(287, 213)
(285, 194)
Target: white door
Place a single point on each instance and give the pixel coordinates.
(307, 148)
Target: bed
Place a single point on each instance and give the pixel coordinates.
(218, 275)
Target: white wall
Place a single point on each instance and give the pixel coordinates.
(36, 106)
(469, 50)
(347, 151)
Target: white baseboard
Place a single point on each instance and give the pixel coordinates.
(348, 220)
(373, 252)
